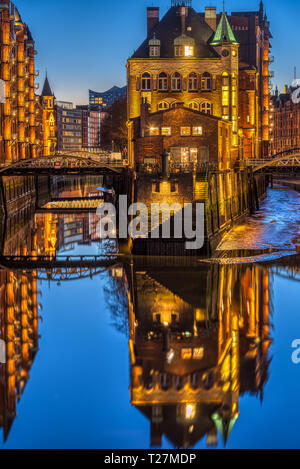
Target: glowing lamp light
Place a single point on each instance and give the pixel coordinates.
(190, 411)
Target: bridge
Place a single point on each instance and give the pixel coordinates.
(66, 163)
(284, 160)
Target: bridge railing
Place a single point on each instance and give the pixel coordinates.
(176, 168)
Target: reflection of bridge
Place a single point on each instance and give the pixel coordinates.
(82, 205)
(62, 164)
(68, 274)
(288, 272)
(50, 262)
(287, 159)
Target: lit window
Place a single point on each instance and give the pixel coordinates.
(206, 82)
(185, 131)
(154, 131)
(198, 353)
(146, 82)
(166, 131)
(186, 353)
(188, 51)
(176, 82)
(197, 130)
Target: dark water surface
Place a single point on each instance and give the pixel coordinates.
(151, 352)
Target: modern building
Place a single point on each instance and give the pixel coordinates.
(107, 98)
(285, 120)
(200, 64)
(21, 111)
(92, 117)
(69, 127)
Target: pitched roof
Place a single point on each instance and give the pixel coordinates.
(46, 88)
(224, 33)
(169, 28)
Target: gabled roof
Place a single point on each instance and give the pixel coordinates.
(224, 33)
(169, 28)
(46, 88)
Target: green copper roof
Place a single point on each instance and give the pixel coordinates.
(223, 34)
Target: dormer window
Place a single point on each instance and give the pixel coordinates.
(154, 51)
(184, 46)
(154, 47)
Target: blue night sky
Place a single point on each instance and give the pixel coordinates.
(86, 44)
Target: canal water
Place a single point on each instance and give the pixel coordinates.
(168, 353)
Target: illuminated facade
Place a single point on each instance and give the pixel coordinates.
(18, 317)
(21, 114)
(285, 122)
(195, 351)
(204, 62)
(49, 121)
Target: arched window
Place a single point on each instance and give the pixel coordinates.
(194, 105)
(176, 82)
(206, 82)
(193, 82)
(162, 82)
(206, 107)
(163, 105)
(146, 82)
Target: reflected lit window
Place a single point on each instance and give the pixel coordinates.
(154, 131)
(166, 131)
(197, 130)
(185, 131)
(198, 353)
(186, 353)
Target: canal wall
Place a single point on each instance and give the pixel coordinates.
(228, 196)
(17, 192)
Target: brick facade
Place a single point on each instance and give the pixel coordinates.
(212, 145)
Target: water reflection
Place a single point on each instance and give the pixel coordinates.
(19, 331)
(196, 346)
(199, 335)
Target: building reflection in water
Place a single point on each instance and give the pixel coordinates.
(199, 336)
(18, 316)
(199, 339)
(27, 235)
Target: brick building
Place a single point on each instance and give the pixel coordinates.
(216, 65)
(22, 116)
(92, 117)
(285, 121)
(190, 136)
(69, 127)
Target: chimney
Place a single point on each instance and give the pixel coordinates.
(183, 11)
(152, 18)
(211, 17)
